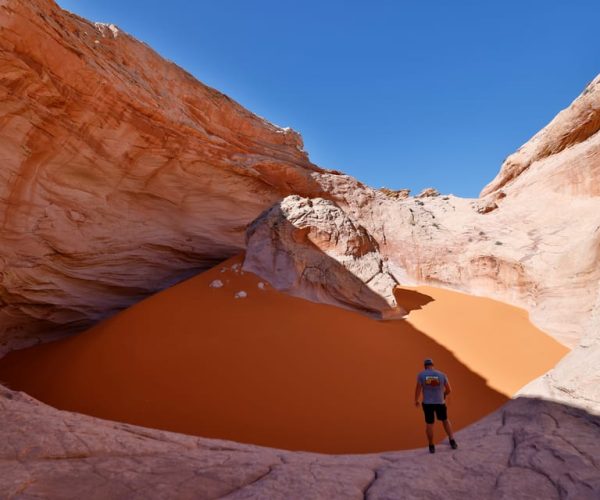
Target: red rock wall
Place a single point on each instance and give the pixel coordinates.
(121, 173)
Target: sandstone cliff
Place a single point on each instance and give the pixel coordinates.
(533, 239)
(121, 174)
(571, 127)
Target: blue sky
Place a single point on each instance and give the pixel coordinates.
(403, 94)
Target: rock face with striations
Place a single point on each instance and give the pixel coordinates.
(312, 249)
(573, 130)
(122, 174)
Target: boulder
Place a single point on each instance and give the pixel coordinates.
(428, 193)
(312, 249)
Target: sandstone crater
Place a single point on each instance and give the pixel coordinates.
(122, 175)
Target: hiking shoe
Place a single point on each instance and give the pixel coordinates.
(453, 444)
(431, 448)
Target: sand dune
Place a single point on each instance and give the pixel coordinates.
(244, 362)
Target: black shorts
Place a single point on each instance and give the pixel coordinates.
(438, 409)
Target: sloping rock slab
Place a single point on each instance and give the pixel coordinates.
(528, 449)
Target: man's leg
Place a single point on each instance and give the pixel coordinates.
(429, 421)
(448, 428)
(429, 432)
(442, 415)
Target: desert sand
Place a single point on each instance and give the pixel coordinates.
(244, 362)
(495, 340)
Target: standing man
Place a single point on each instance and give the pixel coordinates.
(435, 387)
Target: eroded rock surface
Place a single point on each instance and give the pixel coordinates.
(428, 193)
(312, 249)
(535, 243)
(574, 125)
(121, 173)
(529, 449)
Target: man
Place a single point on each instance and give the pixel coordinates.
(435, 387)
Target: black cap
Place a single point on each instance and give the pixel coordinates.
(428, 362)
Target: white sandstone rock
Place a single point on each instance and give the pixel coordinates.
(313, 249)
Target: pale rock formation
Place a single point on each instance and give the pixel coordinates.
(399, 194)
(572, 126)
(539, 252)
(312, 249)
(489, 203)
(508, 455)
(533, 239)
(575, 381)
(428, 193)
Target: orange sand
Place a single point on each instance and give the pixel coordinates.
(493, 339)
(280, 371)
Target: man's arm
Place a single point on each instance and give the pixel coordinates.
(447, 389)
(417, 393)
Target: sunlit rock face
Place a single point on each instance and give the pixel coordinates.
(575, 126)
(121, 174)
(533, 238)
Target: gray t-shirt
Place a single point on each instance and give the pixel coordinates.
(433, 383)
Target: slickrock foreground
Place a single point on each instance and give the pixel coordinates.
(122, 175)
(53, 454)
